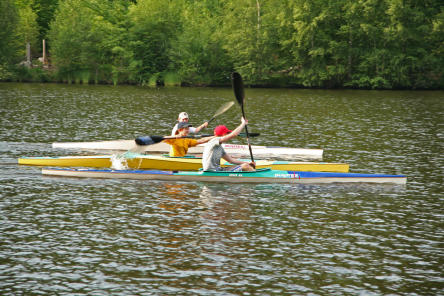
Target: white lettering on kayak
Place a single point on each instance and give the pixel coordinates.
(234, 146)
(287, 176)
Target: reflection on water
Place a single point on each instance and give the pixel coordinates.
(126, 237)
(223, 217)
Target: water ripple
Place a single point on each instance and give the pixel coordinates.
(122, 237)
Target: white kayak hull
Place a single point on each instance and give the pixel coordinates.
(232, 149)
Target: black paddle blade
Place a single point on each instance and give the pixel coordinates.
(148, 140)
(238, 87)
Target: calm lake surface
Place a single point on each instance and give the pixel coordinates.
(62, 236)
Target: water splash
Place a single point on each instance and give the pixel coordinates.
(119, 162)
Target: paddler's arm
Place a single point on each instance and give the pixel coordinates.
(204, 140)
(236, 161)
(171, 141)
(202, 126)
(234, 133)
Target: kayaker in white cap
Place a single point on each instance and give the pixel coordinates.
(180, 145)
(183, 117)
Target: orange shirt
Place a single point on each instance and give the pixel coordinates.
(179, 147)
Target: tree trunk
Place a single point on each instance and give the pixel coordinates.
(350, 44)
(44, 52)
(28, 55)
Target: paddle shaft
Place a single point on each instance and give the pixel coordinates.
(221, 110)
(246, 131)
(150, 140)
(212, 118)
(252, 135)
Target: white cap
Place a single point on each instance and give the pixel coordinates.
(183, 115)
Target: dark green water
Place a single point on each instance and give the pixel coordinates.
(61, 236)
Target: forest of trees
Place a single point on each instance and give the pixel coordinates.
(371, 44)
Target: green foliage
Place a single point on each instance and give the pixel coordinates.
(171, 79)
(28, 30)
(84, 40)
(5, 73)
(374, 44)
(243, 37)
(9, 46)
(154, 80)
(23, 74)
(197, 54)
(154, 25)
(45, 10)
(365, 44)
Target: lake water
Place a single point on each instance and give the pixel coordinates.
(62, 236)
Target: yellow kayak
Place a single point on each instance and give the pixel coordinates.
(154, 162)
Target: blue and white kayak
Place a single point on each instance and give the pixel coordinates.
(260, 176)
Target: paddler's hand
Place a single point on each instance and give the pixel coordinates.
(205, 124)
(244, 121)
(253, 164)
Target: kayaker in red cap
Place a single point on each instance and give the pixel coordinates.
(179, 146)
(183, 117)
(214, 151)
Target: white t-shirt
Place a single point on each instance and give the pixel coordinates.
(173, 132)
(213, 152)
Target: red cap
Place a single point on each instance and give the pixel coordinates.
(221, 130)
